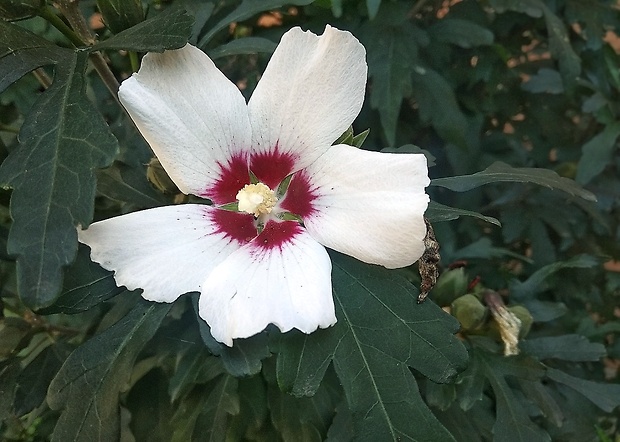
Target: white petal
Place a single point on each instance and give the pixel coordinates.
(167, 251)
(193, 117)
(271, 280)
(310, 93)
(369, 205)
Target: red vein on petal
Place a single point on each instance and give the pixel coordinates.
(272, 167)
(236, 226)
(300, 196)
(275, 235)
(233, 176)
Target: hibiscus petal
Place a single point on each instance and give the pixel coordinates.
(310, 93)
(282, 277)
(195, 120)
(167, 251)
(369, 205)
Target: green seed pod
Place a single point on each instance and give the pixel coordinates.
(525, 317)
(450, 285)
(470, 312)
(156, 174)
(20, 9)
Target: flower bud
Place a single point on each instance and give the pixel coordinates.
(525, 317)
(469, 311)
(450, 285)
(156, 174)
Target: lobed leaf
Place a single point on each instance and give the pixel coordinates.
(566, 348)
(499, 172)
(605, 396)
(62, 141)
(86, 285)
(119, 15)
(381, 332)
(597, 154)
(168, 30)
(245, 10)
(87, 386)
(246, 45)
(463, 33)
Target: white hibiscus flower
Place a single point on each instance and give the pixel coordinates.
(265, 262)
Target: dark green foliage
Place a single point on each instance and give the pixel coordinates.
(514, 103)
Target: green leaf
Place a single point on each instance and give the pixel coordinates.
(463, 33)
(392, 48)
(438, 212)
(532, 8)
(498, 172)
(20, 9)
(246, 45)
(222, 402)
(566, 348)
(560, 47)
(33, 381)
(119, 15)
(373, 8)
(87, 386)
(605, 396)
(63, 140)
(21, 52)
(546, 80)
(86, 285)
(381, 332)
(168, 30)
(247, 9)
(341, 429)
(536, 282)
(244, 358)
(9, 371)
(301, 419)
(597, 153)
(193, 366)
(512, 423)
(438, 105)
(128, 184)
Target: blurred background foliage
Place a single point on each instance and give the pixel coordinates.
(533, 84)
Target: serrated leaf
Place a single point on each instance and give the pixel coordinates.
(22, 52)
(20, 9)
(168, 30)
(222, 402)
(463, 33)
(536, 282)
(560, 47)
(246, 45)
(119, 15)
(502, 172)
(245, 10)
(301, 419)
(438, 105)
(512, 423)
(605, 396)
(597, 153)
(438, 212)
(381, 331)
(34, 379)
(86, 285)
(87, 386)
(63, 140)
(566, 348)
(391, 52)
